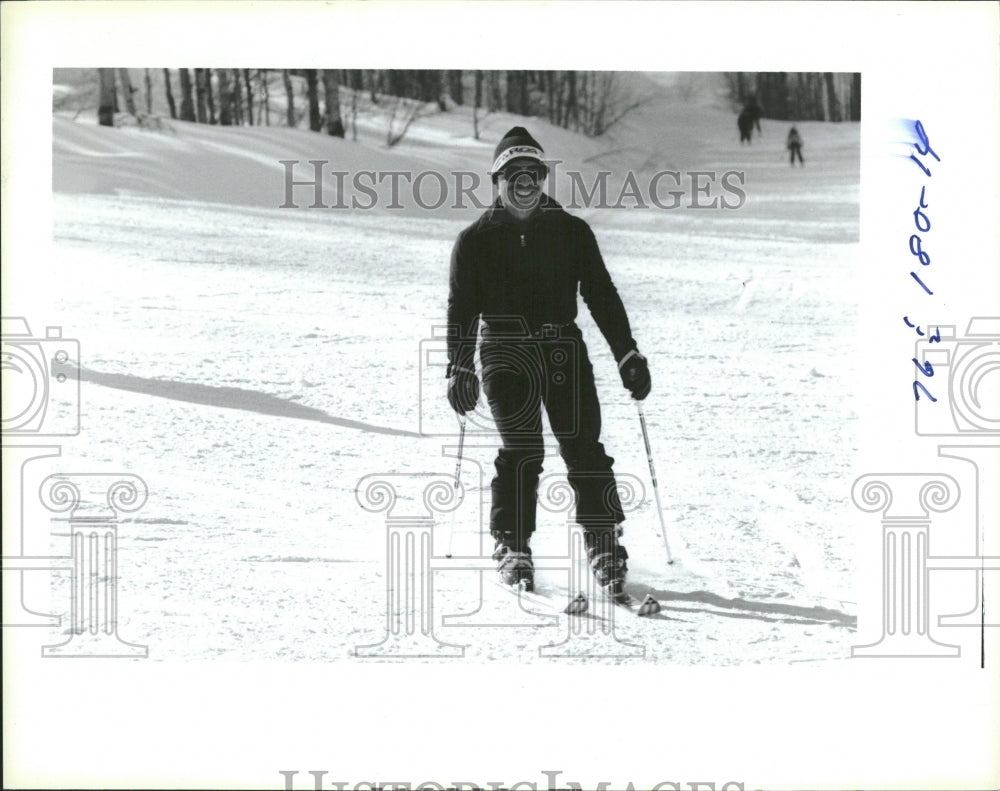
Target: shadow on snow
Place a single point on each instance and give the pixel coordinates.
(230, 398)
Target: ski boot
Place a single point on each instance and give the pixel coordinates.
(514, 564)
(607, 562)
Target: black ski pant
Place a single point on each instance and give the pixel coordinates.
(796, 151)
(519, 377)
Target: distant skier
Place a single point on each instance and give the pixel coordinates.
(794, 145)
(516, 270)
(748, 118)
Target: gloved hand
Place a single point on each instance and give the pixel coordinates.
(635, 374)
(463, 390)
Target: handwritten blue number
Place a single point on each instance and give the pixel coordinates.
(919, 127)
(917, 248)
(926, 369)
(927, 392)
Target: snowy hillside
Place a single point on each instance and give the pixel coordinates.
(253, 363)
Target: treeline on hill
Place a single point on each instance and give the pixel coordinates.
(585, 101)
(330, 100)
(799, 96)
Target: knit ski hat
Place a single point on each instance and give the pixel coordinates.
(516, 144)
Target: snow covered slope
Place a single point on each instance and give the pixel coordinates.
(253, 363)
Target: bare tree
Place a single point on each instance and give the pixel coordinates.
(331, 100)
(187, 100)
(455, 88)
(265, 100)
(494, 96)
(170, 94)
(128, 92)
(444, 98)
(225, 98)
(477, 100)
(249, 91)
(209, 96)
(199, 91)
(289, 98)
(237, 98)
(106, 100)
(402, 114)
(833, 102)
(148, 82)
(312, 92)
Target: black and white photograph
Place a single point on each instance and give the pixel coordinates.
(470, 400)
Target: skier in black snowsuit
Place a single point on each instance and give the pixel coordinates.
(794, 145)
(516, 271)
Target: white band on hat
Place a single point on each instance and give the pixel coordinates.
(516, 152)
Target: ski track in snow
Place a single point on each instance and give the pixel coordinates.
(253, 364)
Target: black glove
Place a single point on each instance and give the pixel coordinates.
(463, 390)
(635, 374)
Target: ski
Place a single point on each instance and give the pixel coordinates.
(645, 608)
(539, 598)
(580, 604)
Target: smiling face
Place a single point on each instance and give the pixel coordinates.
(520, 185)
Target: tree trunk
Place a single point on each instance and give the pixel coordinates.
(209, 96)
(444, 98)
(494, 96)
(106, 100)
(572, 109)
(312, 91)
(170, 94)
(856, 96)
(265, 103)
(199, 91)
(187, 100)
(455, 88)
(249, 92)
(331, 98)
(149, 91)
(225, 99)
(831, 97)
(517, 92)
(128, 92)
(289, 98)
(477, 100)
(237, 98)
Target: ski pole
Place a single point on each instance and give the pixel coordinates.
(652, 474)
(458, 474)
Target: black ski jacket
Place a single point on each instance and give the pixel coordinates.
(503, 270)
